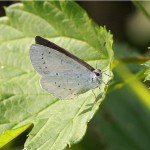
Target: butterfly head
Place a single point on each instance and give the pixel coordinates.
(98, 74)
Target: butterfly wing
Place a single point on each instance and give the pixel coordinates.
(65, 87)
(61, 75)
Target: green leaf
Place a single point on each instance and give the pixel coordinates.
(56, 123)
(9, 135)
(147, 72)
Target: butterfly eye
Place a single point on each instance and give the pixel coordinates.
(98, 74)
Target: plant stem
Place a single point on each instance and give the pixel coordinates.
(130, 60)
(135, 85)
(139, 6)
(137, 60)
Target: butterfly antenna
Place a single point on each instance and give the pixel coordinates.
(94, 94)
(96, 64)
(104, 82)
(106, 74)
(102, 94)
(104, 70)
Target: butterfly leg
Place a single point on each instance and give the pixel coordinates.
(101, 93)
(99, 96)
(94, 94)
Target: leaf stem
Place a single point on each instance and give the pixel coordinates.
(140, 7)
(130, 60)
(138, 59)
(135, 85)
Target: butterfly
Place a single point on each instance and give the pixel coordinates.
(62, 74)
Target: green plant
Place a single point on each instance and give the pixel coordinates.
(56, 124)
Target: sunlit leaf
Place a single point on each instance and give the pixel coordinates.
(56, 123)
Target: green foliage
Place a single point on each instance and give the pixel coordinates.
(22, 101)
(8, 135)
(121, 123)
(147, 72)
(123, 120)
